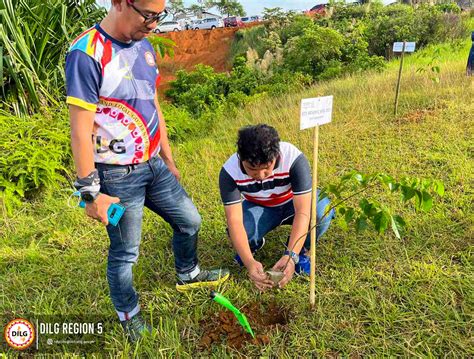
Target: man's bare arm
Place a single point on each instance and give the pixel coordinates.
(82, 126)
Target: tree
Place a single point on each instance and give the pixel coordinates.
(276, 18)
(230, 7)
(195, 9)
(273, 13)
(175, 7)
(198, 9)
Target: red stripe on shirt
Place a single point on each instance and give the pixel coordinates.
(158, 80)
(154, 143)
(107, 55)
(272, 201)
(245, 180)
(273, 195)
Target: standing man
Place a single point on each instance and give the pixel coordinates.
(274, 179)
(121, 150)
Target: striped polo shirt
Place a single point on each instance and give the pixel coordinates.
(291, 176)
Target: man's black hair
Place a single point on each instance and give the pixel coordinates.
(259, 144)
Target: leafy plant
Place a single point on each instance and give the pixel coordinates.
(198, 90)
(179, 123)
(229, 7)
(35, 155)
(433, 67)
(451, 7)
(316, 52)
(163, 46)
(369, 210)
(276, 18)
(383, 25)
(34, 36)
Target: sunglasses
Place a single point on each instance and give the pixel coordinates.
(148, 19)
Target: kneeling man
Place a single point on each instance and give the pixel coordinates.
(265, 184)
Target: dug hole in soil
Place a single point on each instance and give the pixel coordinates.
(224, 328)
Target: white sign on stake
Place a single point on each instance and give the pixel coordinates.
(409, 46)
(315, 111)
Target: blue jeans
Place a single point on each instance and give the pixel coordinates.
(149, 184)
(259, 220)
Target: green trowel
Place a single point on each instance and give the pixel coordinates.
(219, 298)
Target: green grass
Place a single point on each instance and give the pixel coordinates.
(375, 295)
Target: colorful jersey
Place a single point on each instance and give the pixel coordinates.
(291, 176)
(118, 82)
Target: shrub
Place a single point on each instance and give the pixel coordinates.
(449, 7)
(35, 155)
(386, 27)
(315, 52)
(203, 89)
(296, 27)
(424, 25)
(283, 82)
(179, 122)
(198, 90)
(243, 79)
(355, 55)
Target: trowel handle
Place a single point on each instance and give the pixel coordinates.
(219, 298)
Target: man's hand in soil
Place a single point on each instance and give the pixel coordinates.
(258, 277)
(288, 271)
(98, 209)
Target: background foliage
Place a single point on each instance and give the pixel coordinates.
(35, 155)
(34, 36)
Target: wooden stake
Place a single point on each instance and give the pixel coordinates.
(399, 79)
(312, 286)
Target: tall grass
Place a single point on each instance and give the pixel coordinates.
(34, 36)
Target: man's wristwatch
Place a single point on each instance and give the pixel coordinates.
(293, 255)
(89, 197)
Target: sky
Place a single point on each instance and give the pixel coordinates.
(255, 7)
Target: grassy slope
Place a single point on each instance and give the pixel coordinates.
(375, 295)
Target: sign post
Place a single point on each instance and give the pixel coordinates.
(401, 47)
(314, 112)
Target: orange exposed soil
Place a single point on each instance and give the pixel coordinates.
(208, 47)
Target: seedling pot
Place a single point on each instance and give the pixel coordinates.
(275, 276)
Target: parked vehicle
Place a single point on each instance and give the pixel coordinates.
(233, 21)
(250, 19)
(208, 24)
(168, 26)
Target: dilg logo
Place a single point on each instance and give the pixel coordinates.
(19, 334)
(150, 59)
